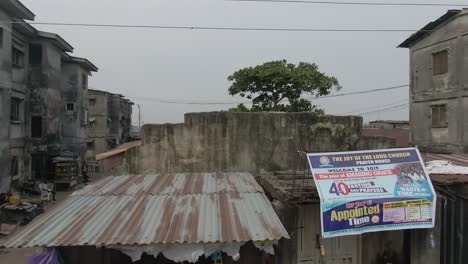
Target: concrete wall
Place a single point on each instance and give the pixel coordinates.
(114, 165)
(112, 114)
(401, 136)
(5, 93)
(74, 123)
(450, 88)
(126, 119)
(376, 142)
(98, 130)
(46, 99)
(225, 141)
(388, 125)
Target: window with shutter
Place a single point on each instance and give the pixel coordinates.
(440, 62)
(439, 116)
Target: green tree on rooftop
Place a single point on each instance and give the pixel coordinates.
(281, 86)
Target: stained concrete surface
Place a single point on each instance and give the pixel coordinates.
(226, 141)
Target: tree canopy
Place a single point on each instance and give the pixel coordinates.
(280, 86)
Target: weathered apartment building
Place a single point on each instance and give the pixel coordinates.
(439, 84)
(43, 98)
(389, 124)
(110, 121)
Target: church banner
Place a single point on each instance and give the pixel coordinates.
(369, 191)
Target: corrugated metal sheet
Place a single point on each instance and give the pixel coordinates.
(173, 184)
(122, 148)
(158, 209)
(456, 159)
(449, 179)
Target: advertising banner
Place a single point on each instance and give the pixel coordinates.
(369, 191)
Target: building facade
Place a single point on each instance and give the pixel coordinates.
(75, 72)
(43, 98)
(389, 124)
(110, 119)
(13, 90)
(439, 84)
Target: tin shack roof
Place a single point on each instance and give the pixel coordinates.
(460, 159)
(122, 148)
(447, 169)
(157, 209)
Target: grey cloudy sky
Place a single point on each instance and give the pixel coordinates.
(194, 65)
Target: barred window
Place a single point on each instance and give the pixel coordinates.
(439, 115)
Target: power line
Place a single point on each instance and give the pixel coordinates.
(210, 28)
(384, 109)
(355, 3)
(363, 92)
(372, 107)
(192, 102)
(168, 101)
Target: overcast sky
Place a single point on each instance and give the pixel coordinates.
(194, 65)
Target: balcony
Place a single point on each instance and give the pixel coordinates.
(36, 78)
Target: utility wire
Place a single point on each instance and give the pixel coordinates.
(190, 102)
(373, 107)
(383, 109)
(167, 101)
(218, 28)
(355, 3)
(362, 92)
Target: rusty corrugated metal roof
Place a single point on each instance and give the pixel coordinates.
(157, 209)
(173, 184)
(449, 179)
(459, 159)
(122, 148)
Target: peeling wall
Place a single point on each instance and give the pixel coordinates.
(74, 123)
(5, 91)
(97, 130)
(376, 142)
(225, 141)
(46, 99)
(112, 121)
(450, 88)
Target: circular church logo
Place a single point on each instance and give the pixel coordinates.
(375, 219)
(324, 160)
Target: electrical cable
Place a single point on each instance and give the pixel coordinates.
(190, 102)
(384, 109)
(355, 3)
(219, 28)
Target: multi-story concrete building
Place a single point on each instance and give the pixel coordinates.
(13, 91)
(43, 98)
(110, 118)
(389, 124)
(439, 84)
(75, 72)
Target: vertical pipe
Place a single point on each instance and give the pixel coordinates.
(460, 232)
(139, 119)
(443, 227)
(453, 235)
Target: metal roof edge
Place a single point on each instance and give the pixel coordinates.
(427, 29)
